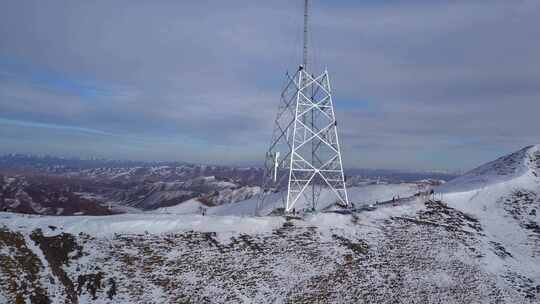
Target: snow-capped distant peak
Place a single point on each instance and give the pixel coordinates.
(525, 162)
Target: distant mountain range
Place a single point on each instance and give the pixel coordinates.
(53, 164)
(67, 186)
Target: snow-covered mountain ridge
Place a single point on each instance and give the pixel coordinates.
(468, 244)
(505, 195)
(525, 162)
(423, 252)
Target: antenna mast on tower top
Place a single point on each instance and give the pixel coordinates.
(306, 33)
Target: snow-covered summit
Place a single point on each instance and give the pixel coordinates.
(523, 163)
(504, 195)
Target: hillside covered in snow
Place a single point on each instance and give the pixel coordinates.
(522, 166)
(479, 244)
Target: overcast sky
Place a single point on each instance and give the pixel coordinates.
(417, 84)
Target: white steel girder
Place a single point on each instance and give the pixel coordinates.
(305, 154)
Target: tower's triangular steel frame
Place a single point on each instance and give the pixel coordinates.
(305, 154)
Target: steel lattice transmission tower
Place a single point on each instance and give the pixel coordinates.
(305, 155)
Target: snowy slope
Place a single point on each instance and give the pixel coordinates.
(422, 252)
(479, 244)
(370, 194)
(505, 195)
(361, 195)
(506, 209)
(108, 226)
(525, 162)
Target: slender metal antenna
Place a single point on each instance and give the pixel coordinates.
(306, 33)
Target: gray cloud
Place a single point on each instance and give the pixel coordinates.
(438, 84)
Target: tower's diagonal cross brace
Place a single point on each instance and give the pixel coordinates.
(318, 136)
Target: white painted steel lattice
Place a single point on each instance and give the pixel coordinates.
(305, 154)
